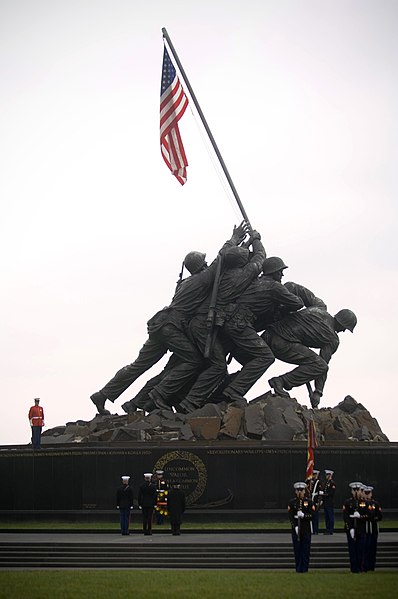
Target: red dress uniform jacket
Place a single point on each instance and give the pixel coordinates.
(36, 416)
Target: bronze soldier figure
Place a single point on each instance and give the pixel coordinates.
(291, 339)
(239, 270)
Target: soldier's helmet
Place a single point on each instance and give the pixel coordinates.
(273, 264)
(346, 318)
(236, 257)
(194, 262)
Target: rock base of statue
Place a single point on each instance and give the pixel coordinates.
(267, 418)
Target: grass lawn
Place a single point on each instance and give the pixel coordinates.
(189, 584)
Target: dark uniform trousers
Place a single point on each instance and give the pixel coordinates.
(302, 548)
(124, 520)
(147, 500)
(375, 515)
(176, 507)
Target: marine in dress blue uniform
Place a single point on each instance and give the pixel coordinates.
(146, 501)
(301, 510)
(124, 502)
(314, 486)
(327, 495)
(355, 513)
(375, 516)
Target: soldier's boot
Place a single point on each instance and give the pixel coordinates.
(186, 407)
(99, 400)
(277, 385)
(233, 397)
(129, 407)
(158, 400)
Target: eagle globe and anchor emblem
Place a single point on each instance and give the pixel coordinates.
(186, 469)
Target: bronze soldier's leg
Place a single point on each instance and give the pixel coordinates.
(142, 400)
(214, 371)
(190, 363)
(151, 352)
(310, 365)
(253, 352)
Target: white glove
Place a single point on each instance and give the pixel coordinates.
(356, 515)
(31, 422)
(117, 507)
(300, 514)
(352, 533)
(131, 507)
(296, 530)
(320, 492)
(139, 507)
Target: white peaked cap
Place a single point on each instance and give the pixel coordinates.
(356, 485)
(299, 485)
(148, 475)
(329, 471)
(125, 477)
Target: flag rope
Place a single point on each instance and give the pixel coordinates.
(221, 178)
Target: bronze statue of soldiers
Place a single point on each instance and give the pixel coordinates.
(166, 331)
(291, 338)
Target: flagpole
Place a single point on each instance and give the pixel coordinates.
(206, 126)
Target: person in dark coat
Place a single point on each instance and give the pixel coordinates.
(375, 516)
(355, 513)
(146, 502)
(124, 502)
(176, 508)
(313, 492)
(327, 495)
(300, 511)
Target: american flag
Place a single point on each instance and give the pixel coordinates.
(312, 443)
(173, 103)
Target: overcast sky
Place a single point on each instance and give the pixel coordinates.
(301, 97)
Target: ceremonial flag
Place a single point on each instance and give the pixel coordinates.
(312, 443)
(173, 103)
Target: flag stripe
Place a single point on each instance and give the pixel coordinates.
(173, 103)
